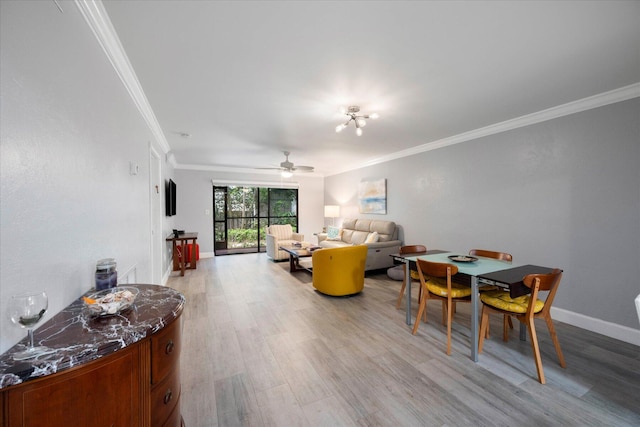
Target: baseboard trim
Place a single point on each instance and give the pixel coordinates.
(612, 330)
(165, 277)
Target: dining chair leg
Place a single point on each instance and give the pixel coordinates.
(421, 309)
(554, 338)
(536, 350)
(424, 314)
(444, 312)
(450, 306)
(505, 328)
(484, 323)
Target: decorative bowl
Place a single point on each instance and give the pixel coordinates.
(462, 258)
(111, 301)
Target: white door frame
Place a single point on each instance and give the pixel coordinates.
(155, 215)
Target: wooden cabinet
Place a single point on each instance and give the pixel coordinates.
(131, 387)
(136, 385)
(102, 393)
(165, 375)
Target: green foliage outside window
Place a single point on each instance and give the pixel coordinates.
(241, 214)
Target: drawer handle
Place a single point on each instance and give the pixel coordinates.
(167, 396)
(169, 348)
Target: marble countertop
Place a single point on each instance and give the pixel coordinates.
(78, 338)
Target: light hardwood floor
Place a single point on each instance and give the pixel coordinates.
(262, 348)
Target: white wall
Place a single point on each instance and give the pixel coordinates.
(195, 196)
(68, 132)
(563, 193)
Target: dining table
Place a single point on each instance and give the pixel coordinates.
(474, 272)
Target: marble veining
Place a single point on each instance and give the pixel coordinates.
(77, 337)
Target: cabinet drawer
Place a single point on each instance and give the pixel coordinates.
(165, 351)
(175, 419)
(164, 398)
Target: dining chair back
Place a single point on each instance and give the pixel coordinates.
(436, 283)
(503, 256)
(409, 249)
(526, 308)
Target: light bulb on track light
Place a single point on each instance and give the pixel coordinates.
(342, 126)
(359, 132)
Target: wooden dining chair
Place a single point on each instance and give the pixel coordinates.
(526, 308)
(410, 249)
(502, 256)
(436, 284)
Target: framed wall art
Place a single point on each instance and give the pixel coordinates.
(372, 197)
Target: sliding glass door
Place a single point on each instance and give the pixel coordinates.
(242, 213)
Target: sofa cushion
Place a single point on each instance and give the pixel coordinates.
(502, 300)
(372, 237)
(333, 244)
(359, 237)
(349, 223)
(385, 230)
(347, 234)
(438, 287)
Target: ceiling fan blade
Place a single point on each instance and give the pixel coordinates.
(288, 166)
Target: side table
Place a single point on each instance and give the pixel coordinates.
(180, 251)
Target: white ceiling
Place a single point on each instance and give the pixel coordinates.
(248, 80)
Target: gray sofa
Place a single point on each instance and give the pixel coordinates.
(356, 231)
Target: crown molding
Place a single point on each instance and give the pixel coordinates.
(217, 168)
(98, 20)
(595, 101)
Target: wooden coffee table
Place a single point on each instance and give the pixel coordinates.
(297, 252)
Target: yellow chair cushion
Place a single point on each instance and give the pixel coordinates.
(438, 287)
(501, 299)
(414, 275)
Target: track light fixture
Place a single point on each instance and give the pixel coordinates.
(359, 120)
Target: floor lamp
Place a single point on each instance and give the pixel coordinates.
(331, 211)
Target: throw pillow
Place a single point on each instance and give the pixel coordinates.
(372, 237)
(334, 233)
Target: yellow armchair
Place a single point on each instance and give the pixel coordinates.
(339, 271)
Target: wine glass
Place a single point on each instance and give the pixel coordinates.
(26, 310)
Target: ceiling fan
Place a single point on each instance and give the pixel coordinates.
(287, 168)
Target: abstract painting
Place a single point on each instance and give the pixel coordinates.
(372, 196)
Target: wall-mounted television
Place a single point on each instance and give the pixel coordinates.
(170, 197)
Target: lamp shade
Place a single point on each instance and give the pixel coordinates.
(331, 211)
